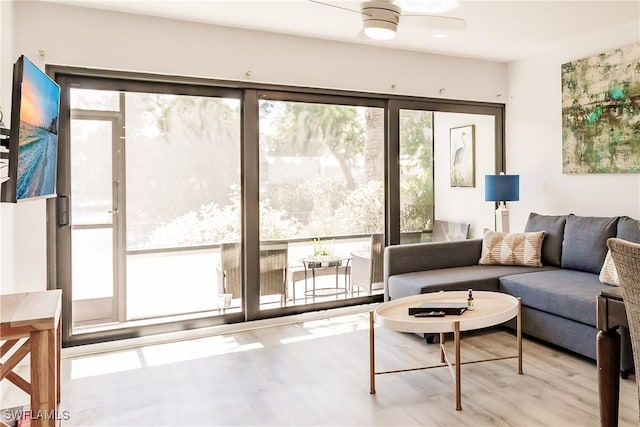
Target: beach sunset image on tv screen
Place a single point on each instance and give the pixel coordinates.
(38, 136)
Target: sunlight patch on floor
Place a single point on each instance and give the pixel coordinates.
(329, 327)
(157, 355)
(103, 364)
(164, 354)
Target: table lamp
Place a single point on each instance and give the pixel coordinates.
(502, 188)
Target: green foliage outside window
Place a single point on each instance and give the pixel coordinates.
(345, 197)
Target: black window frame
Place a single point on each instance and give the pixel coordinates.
(250, 94)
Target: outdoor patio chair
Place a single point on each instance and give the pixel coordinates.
(273, 269)
(366, 268)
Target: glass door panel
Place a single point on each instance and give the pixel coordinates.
(182, 201)
(321, 200)
(464, 139)
(92, 225)
(155, 184)
(416, 175)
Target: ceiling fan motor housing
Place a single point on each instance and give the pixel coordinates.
(381, 14)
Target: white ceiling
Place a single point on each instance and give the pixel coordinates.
(496, 30)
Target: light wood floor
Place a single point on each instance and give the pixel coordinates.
(316, 374)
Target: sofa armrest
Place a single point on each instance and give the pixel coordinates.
(400, 259)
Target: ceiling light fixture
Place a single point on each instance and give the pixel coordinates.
(380, 19)
(379, 30)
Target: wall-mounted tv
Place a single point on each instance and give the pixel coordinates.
(33, 139)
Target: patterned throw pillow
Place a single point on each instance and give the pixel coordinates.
(512, 248)
(609, 274)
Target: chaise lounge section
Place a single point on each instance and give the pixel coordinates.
(558, 298)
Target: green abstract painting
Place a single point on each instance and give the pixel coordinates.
(601, 113)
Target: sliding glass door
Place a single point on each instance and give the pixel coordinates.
(195, 202)
(153, 190)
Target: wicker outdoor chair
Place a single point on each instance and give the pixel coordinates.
(626, 257)
(273, 269)
(366, 269)
(230, 272)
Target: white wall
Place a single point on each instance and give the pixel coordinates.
(22, 226)
(90, 38)
(534, 138)
(464, 204)
(6, 217)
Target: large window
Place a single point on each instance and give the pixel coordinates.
(195, 204)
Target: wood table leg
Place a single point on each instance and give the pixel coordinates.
(442, 359)
(456, 336)
(608, 354)
(372, 367)
(43, 384)
(519, 335)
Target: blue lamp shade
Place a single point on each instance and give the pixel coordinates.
(501, 188)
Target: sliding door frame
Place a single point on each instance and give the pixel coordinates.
(58, 240)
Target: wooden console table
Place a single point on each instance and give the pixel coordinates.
(35, 316)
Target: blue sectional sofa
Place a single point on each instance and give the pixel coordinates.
(558, 298)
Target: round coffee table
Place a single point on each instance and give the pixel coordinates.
(490, 308)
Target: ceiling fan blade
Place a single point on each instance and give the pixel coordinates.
(336, 6)
(433, 21)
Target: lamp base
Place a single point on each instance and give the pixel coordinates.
(502, 218)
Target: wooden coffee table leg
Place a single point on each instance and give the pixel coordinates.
(372, 368)
(456, 337)
(519, 335)
(442, 359)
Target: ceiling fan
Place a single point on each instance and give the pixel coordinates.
(380, 18)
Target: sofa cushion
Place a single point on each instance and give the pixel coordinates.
(512, 248)
(628, 229)
(585, 242)
(476, 277)
(566, 293)
(609, 273)
(553, 227)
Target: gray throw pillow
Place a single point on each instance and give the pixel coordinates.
(553, 227)
(585, 242)
(628, 229)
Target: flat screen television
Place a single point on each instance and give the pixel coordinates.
(33, 138)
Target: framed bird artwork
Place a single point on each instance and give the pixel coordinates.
(462, 141)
